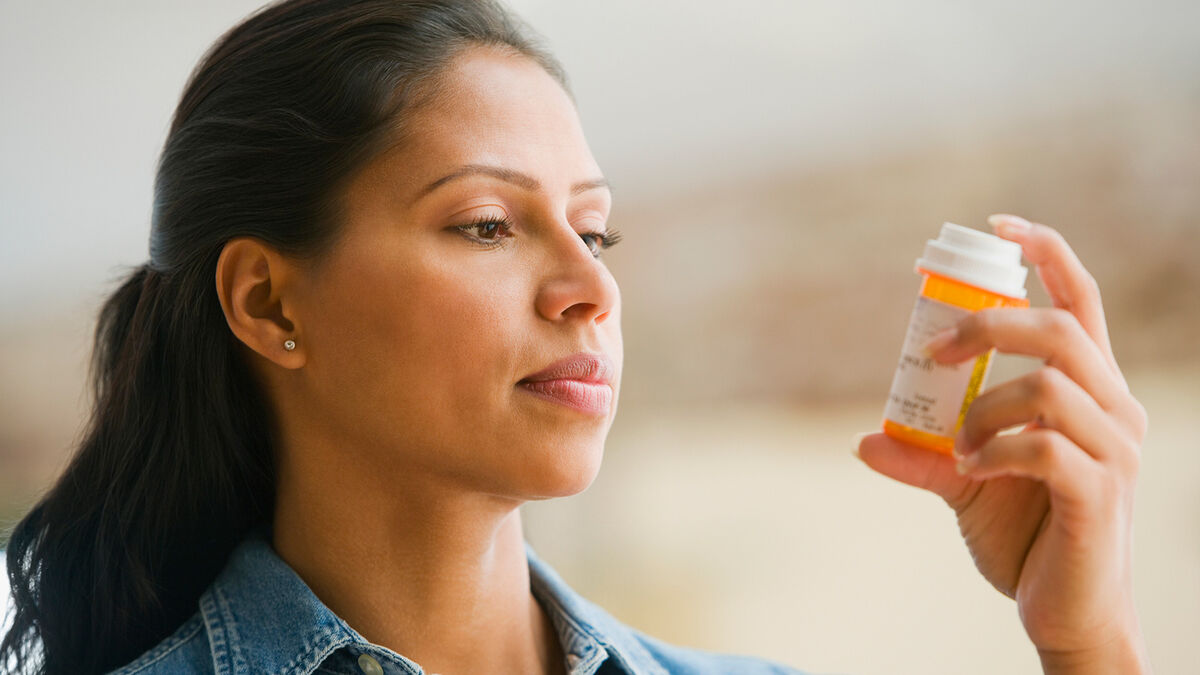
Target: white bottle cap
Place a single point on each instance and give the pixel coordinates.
(976, 258)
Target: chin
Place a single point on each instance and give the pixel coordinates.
(573, 472)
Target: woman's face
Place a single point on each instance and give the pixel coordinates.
(417, 333)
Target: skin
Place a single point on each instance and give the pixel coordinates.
(1046, 513)
(405, 446)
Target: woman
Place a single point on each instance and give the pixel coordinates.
(375, 321)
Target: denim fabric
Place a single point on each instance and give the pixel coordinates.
(258, 616)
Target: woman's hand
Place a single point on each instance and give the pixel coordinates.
(1047, 512)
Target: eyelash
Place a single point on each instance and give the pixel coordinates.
(606, 239)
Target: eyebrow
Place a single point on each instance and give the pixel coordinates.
(522, 180)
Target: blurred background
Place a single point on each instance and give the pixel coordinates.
(777, 169)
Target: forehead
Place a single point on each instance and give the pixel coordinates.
(496, 106)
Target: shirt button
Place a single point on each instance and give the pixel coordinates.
(369, 665)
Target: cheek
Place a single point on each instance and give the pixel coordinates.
(460, 332)
(421, 353)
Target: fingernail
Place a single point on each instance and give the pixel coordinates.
(856, 441)
(1008, 224)
(940, 341)
(960, 444)
(966, 464)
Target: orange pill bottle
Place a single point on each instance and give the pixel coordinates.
(964, 270)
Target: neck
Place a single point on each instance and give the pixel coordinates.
(436, 574)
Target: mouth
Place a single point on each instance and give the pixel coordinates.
(588, 397)
(581, 381)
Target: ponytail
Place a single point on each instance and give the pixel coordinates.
(173, 470)
(175, 465)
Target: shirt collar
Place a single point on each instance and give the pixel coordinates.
(261, 617)
(584, 629)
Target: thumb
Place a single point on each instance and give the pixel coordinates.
(926, 469)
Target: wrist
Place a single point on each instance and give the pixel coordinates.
(1125, 654)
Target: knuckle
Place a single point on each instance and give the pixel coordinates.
(1056, 238)
(1129, 449)
(1125, 456)
(1046, 383)
(1141, 419)
(1061, 322)
(980, 323)
(1045, 447)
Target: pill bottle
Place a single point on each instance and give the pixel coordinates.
(963, 271)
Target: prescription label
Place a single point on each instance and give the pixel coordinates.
(927, 395)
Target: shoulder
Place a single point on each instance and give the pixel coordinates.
(184, 651)
(677, 659)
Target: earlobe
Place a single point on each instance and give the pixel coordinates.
(252, 285)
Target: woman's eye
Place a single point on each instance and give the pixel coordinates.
(603, 240)
(487, 227)
(594, 241)
(491, 230)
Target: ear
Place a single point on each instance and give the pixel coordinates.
(253, 284)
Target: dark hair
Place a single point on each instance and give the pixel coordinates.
(175, 465)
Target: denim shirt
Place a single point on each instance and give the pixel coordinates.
(258, 616)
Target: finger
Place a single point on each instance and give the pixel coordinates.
(1067, 281)
(1054, 335)
(933, 471)
(1044, 455)
(1052, 400)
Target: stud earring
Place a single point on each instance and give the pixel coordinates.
(289, 345)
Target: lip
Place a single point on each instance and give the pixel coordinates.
(584, 367)
(581, 381)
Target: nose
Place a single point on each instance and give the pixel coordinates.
(575, 284)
